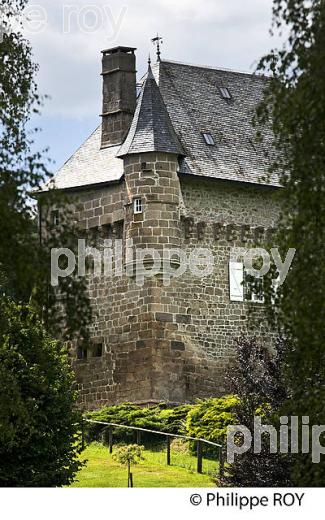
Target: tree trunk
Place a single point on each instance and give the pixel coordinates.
(129, 475)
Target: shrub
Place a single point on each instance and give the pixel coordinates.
(38, 420)
(157, 418)
(209, 419)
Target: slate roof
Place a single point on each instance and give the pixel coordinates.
(89, 165)
(151, 129)
(194, 103)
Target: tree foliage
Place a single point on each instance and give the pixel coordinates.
(37, 418)
(209, 419)
(24, 258)
(161, 417)
(295, 103)
(128, 455)
(256, 379)
(38, 421)
(21, 170)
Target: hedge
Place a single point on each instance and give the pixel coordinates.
(207, 419)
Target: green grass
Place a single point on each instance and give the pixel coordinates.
(102, 471)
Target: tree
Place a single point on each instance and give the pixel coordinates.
(127, 455)
(39, 424)
(295, 103)
(24, 258)
(21, 170)
(256, 378)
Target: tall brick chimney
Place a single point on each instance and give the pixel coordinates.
(119, 94)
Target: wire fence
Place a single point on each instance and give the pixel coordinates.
(168, 438)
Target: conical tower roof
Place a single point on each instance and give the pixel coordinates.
(151, 129)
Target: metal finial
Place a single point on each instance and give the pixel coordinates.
(157, 41)
(149, 59)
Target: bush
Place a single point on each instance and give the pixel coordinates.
(157, 418)
(38, 420)
(209, 419)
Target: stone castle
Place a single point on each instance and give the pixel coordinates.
(173, 165)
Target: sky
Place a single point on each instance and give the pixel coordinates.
(67, 38)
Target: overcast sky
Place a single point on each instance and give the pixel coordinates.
(67, 38)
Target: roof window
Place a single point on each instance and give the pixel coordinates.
(225, 93)
(208, 138)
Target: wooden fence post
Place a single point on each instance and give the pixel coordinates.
(138, 437)
(110, 439)
(82, 434)
(199, 456)
(221, 462)
(168, 450)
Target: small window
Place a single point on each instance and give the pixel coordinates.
(98, 350)
(208, 138)
(55, 218)
(145, 167)
(137, 206)
(225, 93)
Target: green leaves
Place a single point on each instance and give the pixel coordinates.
(39, 424)
(128, 455)
(295, 102)
(24, 260)
(209, 418)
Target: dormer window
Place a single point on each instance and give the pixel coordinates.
(225, 93)
(137, 206)
(208, 138)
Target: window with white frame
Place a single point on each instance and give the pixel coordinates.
(137, 206)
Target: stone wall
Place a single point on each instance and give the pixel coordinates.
(167, 342)
(217, 216)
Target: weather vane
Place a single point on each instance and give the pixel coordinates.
(157, 41)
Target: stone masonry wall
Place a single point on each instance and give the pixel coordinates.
(217, 216)
(167, 343)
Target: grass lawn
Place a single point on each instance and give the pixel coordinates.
(102, 471)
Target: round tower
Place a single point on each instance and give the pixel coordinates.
(151, 154)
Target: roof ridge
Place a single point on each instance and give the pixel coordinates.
(221, 69)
